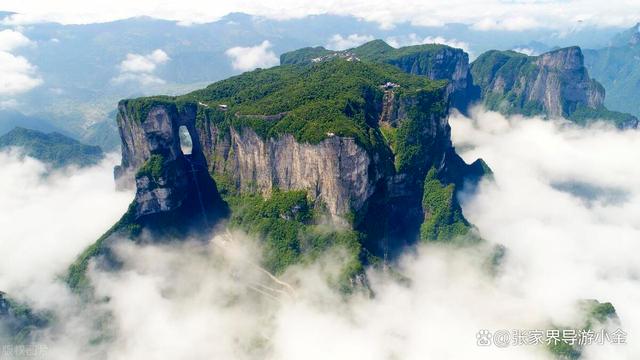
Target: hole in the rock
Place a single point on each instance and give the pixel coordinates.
(186, 145)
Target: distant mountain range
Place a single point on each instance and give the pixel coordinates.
(80, 64)
(617, 67)
(53, 148)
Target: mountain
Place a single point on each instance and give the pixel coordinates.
(359, 144)
(435, 61)
(617, 67)
(554, 84)
(10, 119)
(629, 37)
(52, 148)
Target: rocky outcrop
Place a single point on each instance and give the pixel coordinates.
(441, 62)
(165, 178)
(555, 84)
(563, 84)
(336, 171)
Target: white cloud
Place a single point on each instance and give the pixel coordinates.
(11, 40)
(137, 63)
(568, 213)
(141, 68)
(17, 74)
(414, 39)
(249, 58)
(338, 42)
(483, 15)
(46, 221)
(526, 51)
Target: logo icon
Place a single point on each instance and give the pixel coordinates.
(483, 338)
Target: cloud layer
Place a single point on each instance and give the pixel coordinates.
(483, 15)
(47, 220)
(565, 201)
(251, 57)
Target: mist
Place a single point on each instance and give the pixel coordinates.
(47, 217)
(563, 200)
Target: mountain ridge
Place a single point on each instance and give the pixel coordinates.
(52, 148)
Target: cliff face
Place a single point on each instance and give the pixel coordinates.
(443, 63)
(336, 171)
(563, 83)
(555, 84)
(165, 178)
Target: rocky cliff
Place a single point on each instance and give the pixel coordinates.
(292, 149)
(165, 177)
(435, 61)
(369, 143)
(554, 84)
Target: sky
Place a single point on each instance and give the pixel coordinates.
(512, 15)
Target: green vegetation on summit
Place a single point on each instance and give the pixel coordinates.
(554, 84)
(372, 51)
(334, 97)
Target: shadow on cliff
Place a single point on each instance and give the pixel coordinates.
(201, 210)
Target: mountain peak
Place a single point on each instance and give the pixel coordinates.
(629, 37)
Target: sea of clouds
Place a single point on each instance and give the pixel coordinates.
(563, 200)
